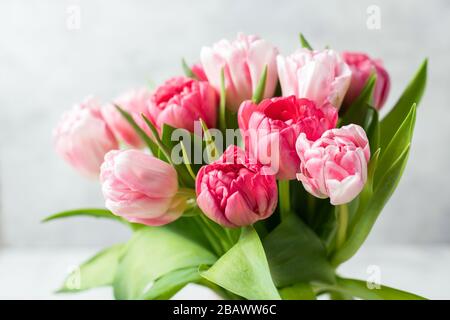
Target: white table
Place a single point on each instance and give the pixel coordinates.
(37, 273)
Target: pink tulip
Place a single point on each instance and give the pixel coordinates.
(82, 137)
(134, 102)
(270, 130)
(335, 165)
(198, 71)
(180, 101)
(234, 192)
(140, 188)
(243, 61)
(362, 67)
(321, 76)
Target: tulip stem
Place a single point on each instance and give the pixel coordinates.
(342, 217)
(284, 198)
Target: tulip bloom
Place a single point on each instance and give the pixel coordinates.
(181, 101)
(198, 71)
(135, 103)
(234, 192)
(320, 76)
(140, 188)
(82, 137)
(243, 61)
(270, 130)
(335, 165)
(362, 67)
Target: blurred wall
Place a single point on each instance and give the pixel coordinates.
(46, 66)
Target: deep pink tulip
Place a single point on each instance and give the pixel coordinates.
(135, 102)
(181, 101)
(82, 137)
(198, 71)
(140, 188)
(234, 192)
(362, 67)
(321, 76)
(243, 61)
(335, 165)
(271, 128)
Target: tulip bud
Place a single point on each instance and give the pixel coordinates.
(320, 76)
(82, 137)
(362, 67)
(270, 130)
(181, 101)
(141, 188)
(135, 103)
(335, 165)
(234, 192)
(243, 61)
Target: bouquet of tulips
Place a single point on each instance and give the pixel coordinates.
(254, 174)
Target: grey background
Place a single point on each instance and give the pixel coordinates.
(45, 68)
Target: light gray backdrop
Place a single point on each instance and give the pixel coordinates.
(46, 66)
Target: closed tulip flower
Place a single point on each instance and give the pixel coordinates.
(135, 103)
(362, 67)
(181, 101)
(234, 192)
(335, 165)
(141, 188)
(271, 128)
(243, 61)
(321, 76)
(82, 137)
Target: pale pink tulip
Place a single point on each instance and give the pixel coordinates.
(270, 130)
(335, 165)
(181, 101)
(141, 188)
(234, 192)
(321, 76)
(362, 67)
(82, 137)
(243, 61)
(134, 102)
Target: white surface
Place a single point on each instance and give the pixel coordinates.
(35, 274)
(46, 67)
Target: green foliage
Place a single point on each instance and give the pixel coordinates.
(296, 254)
(152, 253)
(243, 270)
(98, 271)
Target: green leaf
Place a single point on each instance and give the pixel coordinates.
(96, 272)
(412, 95)
(380, 196)
(169, 284)
(212, 151)
(358, 288)
(243, 270)
(296, 254)
(154, 252)
(163, 153)
(372, 128)
(182, 169)
(299, 291)
(304, 42)
(141, 133)
(187, 70)
(357, 111)
(258, 95)
(400, 140)
(186, 161)
(88, 212)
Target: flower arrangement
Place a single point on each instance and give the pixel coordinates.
(254, 174)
